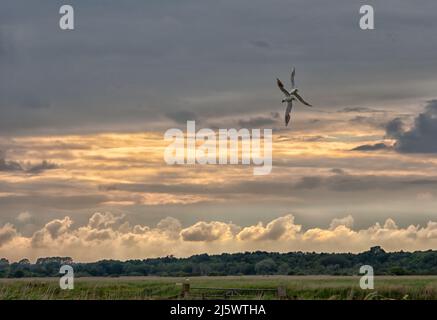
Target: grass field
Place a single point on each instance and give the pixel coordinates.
(297, 287)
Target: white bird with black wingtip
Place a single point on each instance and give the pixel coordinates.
(290, 96)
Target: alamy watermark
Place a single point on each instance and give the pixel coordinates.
(66, 22)
(226, 146)
(366, 21)
(66, 282)
(367, 280)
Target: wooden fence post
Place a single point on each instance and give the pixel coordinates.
(282, 292)
(185, 290)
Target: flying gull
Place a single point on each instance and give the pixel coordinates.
(290, 96)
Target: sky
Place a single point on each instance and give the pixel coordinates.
(83, 115)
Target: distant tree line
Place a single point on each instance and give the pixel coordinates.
(248, 263)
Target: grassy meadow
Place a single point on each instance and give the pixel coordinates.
(296, 287)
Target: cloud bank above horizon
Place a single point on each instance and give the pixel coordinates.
(109, 236)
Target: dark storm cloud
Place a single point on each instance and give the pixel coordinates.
(182, 116)
(422, 137)
(373, 121)
(360, 110)
(395, 128)
(134, 63)
(338, 182)
(44, 165)
(354, 183)
(257, 122)
(14, 166)
(56, 202)
(338, 171)
(9, 165)
(372, 147)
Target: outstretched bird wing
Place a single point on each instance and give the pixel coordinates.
(287, 112)
(293, 73)
(281, 87)
(301, 99)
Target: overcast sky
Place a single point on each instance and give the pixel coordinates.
(83, 113)
(136, 64)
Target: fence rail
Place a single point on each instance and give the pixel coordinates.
(227, 293)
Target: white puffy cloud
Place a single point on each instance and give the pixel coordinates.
(109, 236)
(51, 231)
(170, 226)
(24, 217)
(282, 227)
(57, 227)
(103, 220)
(209, 231)
(7, 233)
(347, 221)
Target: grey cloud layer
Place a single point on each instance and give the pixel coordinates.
(372, 147)
(135, 63)
(338, 182)
(14, 166)
(422, 137)
(419, 138)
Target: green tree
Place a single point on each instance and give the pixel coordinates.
(266, 266)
